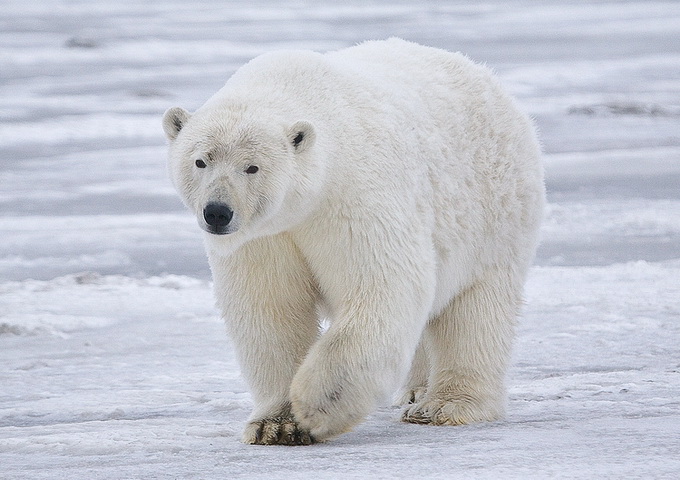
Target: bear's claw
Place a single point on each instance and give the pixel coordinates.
(276, 431)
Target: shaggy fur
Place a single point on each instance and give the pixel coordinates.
(398, 192)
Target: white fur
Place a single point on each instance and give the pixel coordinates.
(409, 213)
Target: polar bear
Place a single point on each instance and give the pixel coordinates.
(391, 188)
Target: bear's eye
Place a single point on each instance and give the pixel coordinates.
(298, 139)
(252, 169)
(200, 163)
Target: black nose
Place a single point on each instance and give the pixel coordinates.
(217, 214)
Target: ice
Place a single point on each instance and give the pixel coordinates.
(114, 361)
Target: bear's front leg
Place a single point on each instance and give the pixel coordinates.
(268, 301)
(361, 358)
(332, 390)
(345, 374)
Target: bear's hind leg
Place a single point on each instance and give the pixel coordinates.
(469, 345)
(416, 383)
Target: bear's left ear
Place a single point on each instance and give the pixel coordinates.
(173, 121)
(301, 136)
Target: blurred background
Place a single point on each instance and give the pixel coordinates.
(83, 86)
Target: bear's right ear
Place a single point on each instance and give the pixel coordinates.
(173, 121)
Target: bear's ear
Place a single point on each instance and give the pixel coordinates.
(173, 121)
(301, 136)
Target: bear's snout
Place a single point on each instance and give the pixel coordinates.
(217, 216)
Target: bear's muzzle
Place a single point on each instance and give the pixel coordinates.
(217, 217)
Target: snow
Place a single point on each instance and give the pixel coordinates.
(115, 364)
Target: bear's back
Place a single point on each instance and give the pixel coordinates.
(404, 61)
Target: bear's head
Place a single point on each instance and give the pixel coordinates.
(243, 179)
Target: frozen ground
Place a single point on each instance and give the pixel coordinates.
(113, 363)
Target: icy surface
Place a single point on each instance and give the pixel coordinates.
(113, 361)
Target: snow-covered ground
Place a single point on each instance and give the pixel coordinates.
(113, 361)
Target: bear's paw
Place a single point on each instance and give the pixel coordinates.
(451, 409)
(278, 430)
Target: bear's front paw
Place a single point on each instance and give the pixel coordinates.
(322, 419)
(451, 409)
(326, 410)
(280, 430)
